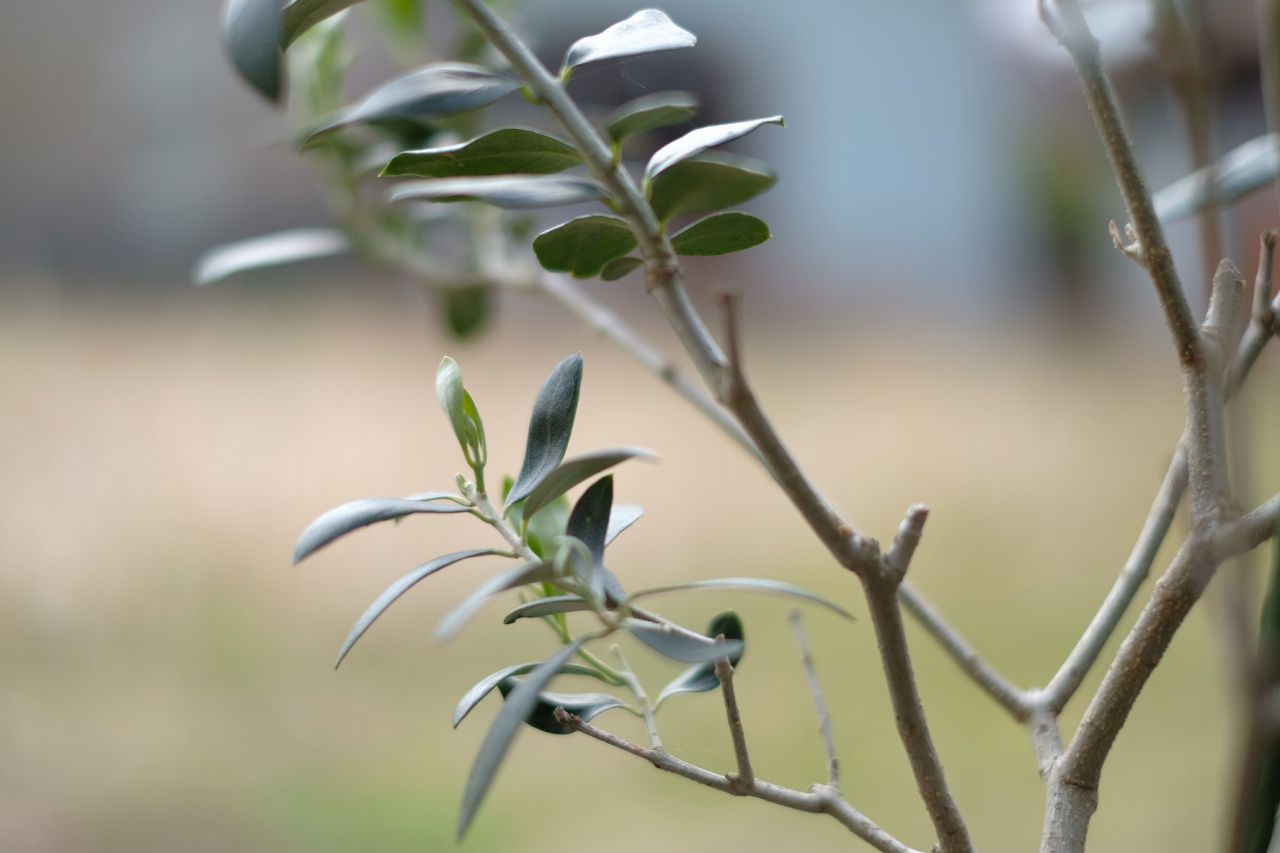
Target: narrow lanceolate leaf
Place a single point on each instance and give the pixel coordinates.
(398, 589)
(341, 520)
(251, 30)
(589, 523)
(619, 267)
(520, 703)
(1266, 793)
(621, 517)
(701, 677)
(721, 234)
(697, 141)
(685, 647)
(509, 151)
(661, 109)
(585, 706)
(1251, 166)
(302, 15)
(748, 585)
(582, 246)
(486, 685)
(513, 193)
(457, 618)
(436, 91)
(578, 469)
(647, 31)
(546, 607)
(713, 181)
(269, 250)
(549, 429)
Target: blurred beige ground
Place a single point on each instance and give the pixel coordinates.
(167, 674)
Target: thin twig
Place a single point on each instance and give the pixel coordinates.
(745, 777)
(642, 698)
(819, 700)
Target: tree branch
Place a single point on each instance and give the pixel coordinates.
(745, 777)
(819, 700)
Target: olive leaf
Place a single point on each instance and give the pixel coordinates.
(302, 15)
(526, 573)
(251, 32)
(484, 686)
(269, 250)
(1240, 171)
(647, 31)
(582, 246)
(747, 585)
(513, 192)
(584, 706)
(548, 606)
(661, 109)
(701, 677)
(343, 519)
(463, 415)
(721, 234)
(680, 645)
(549, 429)
(712, 181)
(564, 477)
(509, 151)
(697, 141)
(619, 267)
(589, 523)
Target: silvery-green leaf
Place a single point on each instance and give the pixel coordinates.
(697, 141)
(589, 523)
(399, 588)
(269, 250)
(582, 246)
(519, 704)
(546, 607)
(585, 706)
(457, 618)
(686, 647)
(341, 520)
(701, 677)
(747, 585)
(517, 192)
(642, 115)
(549, 429)
(251, 31)
(647, 31)
(1240, 171)
(449, 391)
(712, 181)
(435, 91)
(483, 687)
(721, 234)
(302, 15)
(574, 471)
(619, 267)
(620, 518)
(509, 151)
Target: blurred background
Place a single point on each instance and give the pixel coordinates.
(940, 318)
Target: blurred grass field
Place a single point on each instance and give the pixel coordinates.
(168, 680)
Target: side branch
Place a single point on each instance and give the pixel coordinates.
(819, 700)
(745, 776)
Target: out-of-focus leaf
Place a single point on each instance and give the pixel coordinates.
(1266, 793)
(589, 523)
(747, 585)
(697, 141)
(302, 15)
(647, 31)
(509, 151)
(435, 91)
(513, 193)
(520, 702)
(721, 234)
(1240, 171)
(620, 518)
(701, 677)
(403, 22)
(457, 618)
(269, 250)
(546, 607)
(341, 520)
(582, 246)
(689, 648)
(619, 267)
(586, 706)
(485, 685)
(713, 181)
(549, 429)
(317, 66)
(467, 309)
(251, 31)
(574, 471)
(651, 112)
(399, 588)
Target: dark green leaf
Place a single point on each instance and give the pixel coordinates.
(302, 15)
(269, 250)
(341, 520)
(398, 589)
(436, 91)
(509, 151)
(584, 245)
(620, 518)
(714, 181)
(695, 142)
(1251, 166)
(483, 687)
(457, 618)
(642, 115)
(721, 234)
(647, 31)
(549, 429)
(586, 706)
(467, 309)
(251, 30)
(687, 647)
(578, 469)
(1265, 795)
(747, 585)
(546, 607)
(589, 522)
(513, 193)
(519, 705)
(619, 267)
(701, 677)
